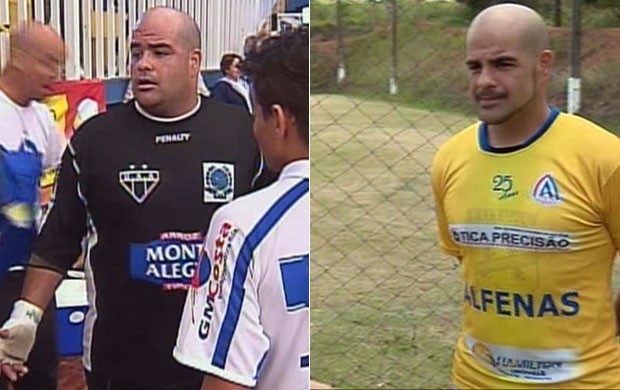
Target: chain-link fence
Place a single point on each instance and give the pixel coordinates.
(385, 303)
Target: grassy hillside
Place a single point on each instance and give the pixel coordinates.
(430, 47)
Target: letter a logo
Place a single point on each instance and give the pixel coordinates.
(546, 191)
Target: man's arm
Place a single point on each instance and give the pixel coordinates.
(62, 230)
(17, 335)
(438, 181)
(40, 285)
(617, 308)
(211, 382)
(611, 215)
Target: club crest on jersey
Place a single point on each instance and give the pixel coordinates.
(139, 182)
(546, 191)
(218, 182)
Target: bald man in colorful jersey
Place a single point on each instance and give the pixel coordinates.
(528, 200)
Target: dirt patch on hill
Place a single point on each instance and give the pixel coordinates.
(600, 63)
(598, 46)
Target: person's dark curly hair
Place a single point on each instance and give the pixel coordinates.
(227, 60)
(279, 74)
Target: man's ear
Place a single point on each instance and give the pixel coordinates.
(195, 57)
(546, 62)
(18, 60)
(282, 121)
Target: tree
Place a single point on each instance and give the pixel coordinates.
(478, 5)
(612, 6)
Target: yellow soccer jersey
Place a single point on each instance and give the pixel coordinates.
(536, 229)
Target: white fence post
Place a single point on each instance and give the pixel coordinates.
(87, 36)
(110, 18)
(123, 35)
(4, 33)
(99, 22)
(39, 11)
(22, 10)
(203, 29)
(98, 41)
(141, 8)
(55, 15)
(72, 39)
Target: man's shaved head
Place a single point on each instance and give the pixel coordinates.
(513, 20)
(37, 55)
(187, 28)
(33, 37)
(165, 62)
(509, 62)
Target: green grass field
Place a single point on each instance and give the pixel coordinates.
(385, 302)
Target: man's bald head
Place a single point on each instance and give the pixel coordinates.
(509, 64)
(37, 56)
(33, 37)
(514, 20)
(186, 28)
(165, 62)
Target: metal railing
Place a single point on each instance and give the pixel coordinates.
(97, 32)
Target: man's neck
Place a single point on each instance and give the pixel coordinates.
(169, 115)
(287, 161)
(297, 158)
(12, 90)
(517, 129)
(297, 153)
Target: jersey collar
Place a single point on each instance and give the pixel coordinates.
(298, 168)
(168, 120)
(483, 135)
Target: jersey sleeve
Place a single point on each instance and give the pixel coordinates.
(446, 243)
(611, 206)
(64, 224)
(221, 332)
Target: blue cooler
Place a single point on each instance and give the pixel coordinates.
(71, 307)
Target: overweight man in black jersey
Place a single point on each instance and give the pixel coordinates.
(142, 182)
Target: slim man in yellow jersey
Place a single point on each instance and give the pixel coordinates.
(528, 200)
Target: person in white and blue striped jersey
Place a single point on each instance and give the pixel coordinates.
(246, 318)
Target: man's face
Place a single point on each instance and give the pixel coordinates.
(161, 71)
(42, 68)
(233, 70)
(503, 76)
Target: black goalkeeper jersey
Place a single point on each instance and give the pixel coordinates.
(144, 191)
